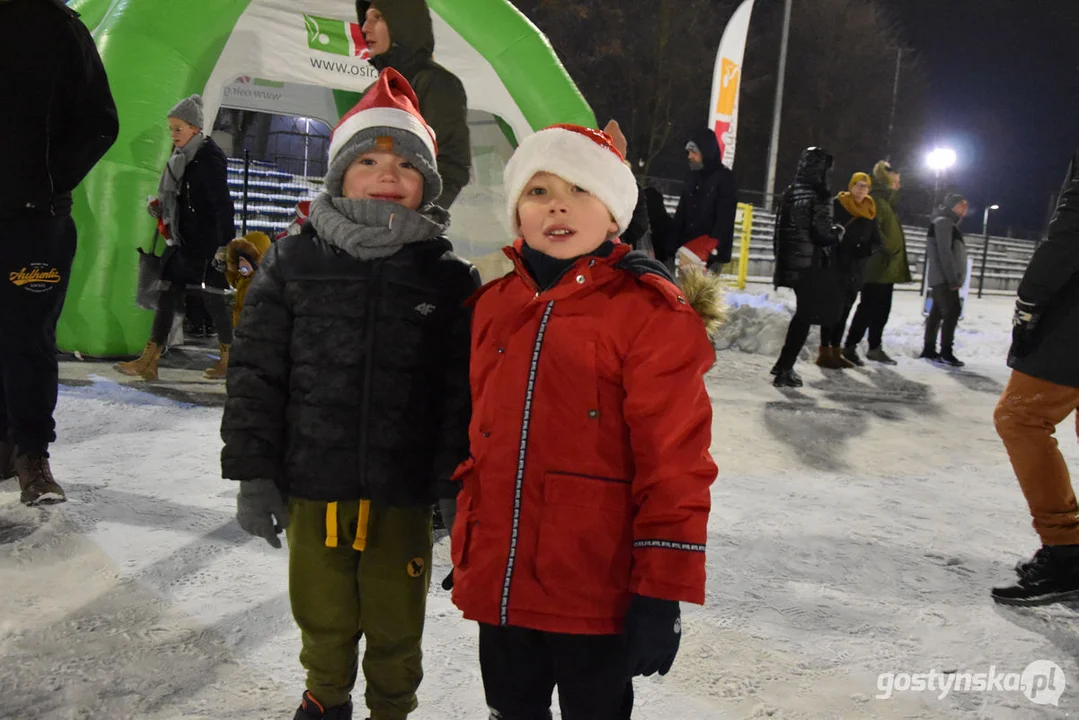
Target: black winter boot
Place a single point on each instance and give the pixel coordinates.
(312, 709)
(850, 354)
(1052, 575)
(929, 354)
(7, 460)
(948, 358)
(786, 377)
(878, 355)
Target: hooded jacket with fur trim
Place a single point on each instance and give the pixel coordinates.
(589, 473)
(252, 247)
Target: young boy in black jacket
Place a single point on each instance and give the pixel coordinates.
(348, 403)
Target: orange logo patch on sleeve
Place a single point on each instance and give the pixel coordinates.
(415, 567)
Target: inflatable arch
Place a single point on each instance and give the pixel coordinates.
(157, 51)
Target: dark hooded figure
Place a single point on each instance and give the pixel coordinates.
(399, 35)
(805, 241)
(709, 202)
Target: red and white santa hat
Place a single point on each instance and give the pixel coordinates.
(579, 155)
(386, 118)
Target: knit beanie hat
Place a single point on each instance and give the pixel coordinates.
(189, 110)
(579, 155)
(951, 200)
(860, 177)
(388, 119)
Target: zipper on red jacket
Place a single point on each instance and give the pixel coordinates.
(522, 452)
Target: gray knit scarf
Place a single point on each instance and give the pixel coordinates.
(371, 229)
(168, 189)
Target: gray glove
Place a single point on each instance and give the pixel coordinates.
(261, 510)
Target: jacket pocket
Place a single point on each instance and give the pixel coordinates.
(461, 538)
(585, 543)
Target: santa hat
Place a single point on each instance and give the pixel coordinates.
(579, 155)
(387, 118)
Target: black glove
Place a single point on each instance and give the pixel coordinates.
(261, 510)
(1024, 322)
(447, 583)
(652, 630)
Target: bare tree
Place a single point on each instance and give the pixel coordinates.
(839, 91)
(646, 63)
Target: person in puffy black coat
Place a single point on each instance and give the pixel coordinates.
(1042, 392)
(704, 220)
(348, 398)
(805, 249)
(856, 213)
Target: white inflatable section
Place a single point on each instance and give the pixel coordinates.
(270, 42)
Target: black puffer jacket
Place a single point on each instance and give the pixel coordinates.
(1052, 283)
(348, 379)
(207, 219)
(709, 201)
(805, 231)
(57, 116)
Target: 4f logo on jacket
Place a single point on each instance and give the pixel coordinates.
(425, 309)
(38, 277)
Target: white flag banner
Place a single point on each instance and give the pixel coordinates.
(727, 81)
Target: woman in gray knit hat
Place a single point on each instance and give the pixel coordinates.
(196, 216)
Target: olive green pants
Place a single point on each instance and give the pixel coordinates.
(360, 570)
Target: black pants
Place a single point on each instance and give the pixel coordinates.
(943, 316)
(872, 313)
(832, 335)
(172, 301)
(521, 667)
(36, 253)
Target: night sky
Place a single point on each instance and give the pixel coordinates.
(1004, 93)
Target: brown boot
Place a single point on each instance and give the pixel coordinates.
(220, 368)
(7, 460)
(844, 363)
(36, 481)
(144, 365)
(827, 359)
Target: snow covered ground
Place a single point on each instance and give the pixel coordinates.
(857, 527)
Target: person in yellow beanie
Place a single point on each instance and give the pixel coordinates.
(856, 211)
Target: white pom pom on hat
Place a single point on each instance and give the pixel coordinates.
(579, 155)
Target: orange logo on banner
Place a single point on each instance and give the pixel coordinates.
(728, 91)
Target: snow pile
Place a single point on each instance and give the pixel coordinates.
(758, 323)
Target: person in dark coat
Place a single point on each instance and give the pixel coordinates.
(1042, 392)
(704, 220)
(946, 265)
(196, 215)
(805, 250)
(856, 212)
(348, 404)
(399, 35)
(57, 120)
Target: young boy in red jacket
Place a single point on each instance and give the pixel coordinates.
(583, 512)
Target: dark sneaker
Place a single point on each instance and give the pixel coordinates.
(36, 481)
(851, 355)
(928, 354)
(947, 358)
(787, 378)
(312, 709)
(7, 461)
(1052, 575)
(879, 356)
(774, 371)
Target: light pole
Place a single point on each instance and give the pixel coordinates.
(985, 246)
(773, 146)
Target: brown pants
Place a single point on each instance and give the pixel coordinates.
(1026, 418)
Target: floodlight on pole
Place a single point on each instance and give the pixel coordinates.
(941, 159)
(985, 246)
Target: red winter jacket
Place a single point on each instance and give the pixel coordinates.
(589, 473)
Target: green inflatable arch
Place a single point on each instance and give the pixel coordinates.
(156, 52)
